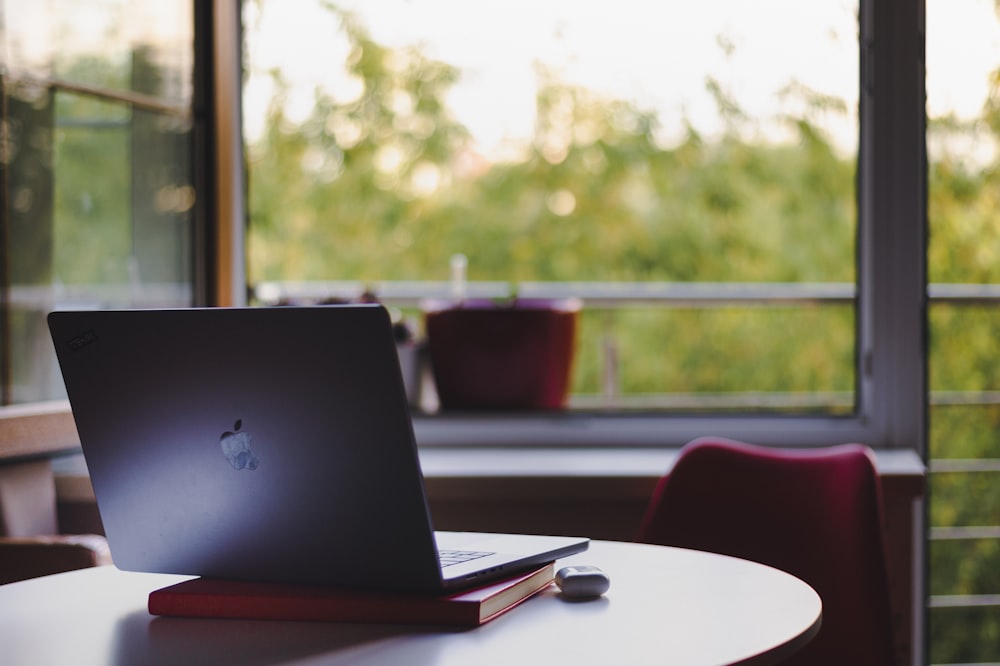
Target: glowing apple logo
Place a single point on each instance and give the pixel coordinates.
(236, 447)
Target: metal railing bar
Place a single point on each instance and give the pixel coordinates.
(129, 97)
(616, 294)
(953, 398)
(735, 400)
(943, 291)
(963, 465)
(593, 294)
(963, 600)
(964, 533)
(142, 294)
(91, 124)
(598, 294)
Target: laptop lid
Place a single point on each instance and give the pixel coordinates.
(260, 444)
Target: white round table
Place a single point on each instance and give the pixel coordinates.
(665, 606)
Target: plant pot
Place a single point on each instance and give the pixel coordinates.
(489, 355)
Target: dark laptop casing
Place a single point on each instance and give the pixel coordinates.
(270, 444)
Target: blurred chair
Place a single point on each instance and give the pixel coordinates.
(31, 542)
(814, 513)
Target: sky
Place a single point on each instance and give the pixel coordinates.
(656, 54)
(37, 36)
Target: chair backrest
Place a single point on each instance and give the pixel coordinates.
(815, 513)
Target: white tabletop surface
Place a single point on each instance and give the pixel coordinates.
(665, 606)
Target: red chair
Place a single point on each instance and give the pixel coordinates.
(815, 513)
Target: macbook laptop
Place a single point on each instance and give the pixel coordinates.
(265, 444)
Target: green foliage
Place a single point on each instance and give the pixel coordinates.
(964, 636)
(388, 186)
(112, 167)
(92, 216)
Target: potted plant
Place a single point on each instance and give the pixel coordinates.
(502, 354)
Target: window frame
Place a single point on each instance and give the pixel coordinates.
(891, 291)
(220, 171)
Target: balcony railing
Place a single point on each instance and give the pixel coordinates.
(593, 294)
(613, 294)
(413, 293)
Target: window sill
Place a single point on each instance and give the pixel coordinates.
(544, 473)
(611, 431)
(624, 473)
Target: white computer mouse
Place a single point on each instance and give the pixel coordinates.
(582, 582)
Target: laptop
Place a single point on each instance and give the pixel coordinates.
(265, 444)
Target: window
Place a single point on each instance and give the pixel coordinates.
(672, 167)
(99, 194)
(869, 386)
(857, 323)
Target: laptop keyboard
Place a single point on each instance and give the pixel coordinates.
(449, 557)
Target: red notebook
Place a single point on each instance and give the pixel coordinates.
(201, 597)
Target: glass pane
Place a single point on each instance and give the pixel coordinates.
(964, 635)
(736, 362)
(963, 104)
(568, 143)
(99, 189)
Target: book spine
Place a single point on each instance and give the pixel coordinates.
(251, 607)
